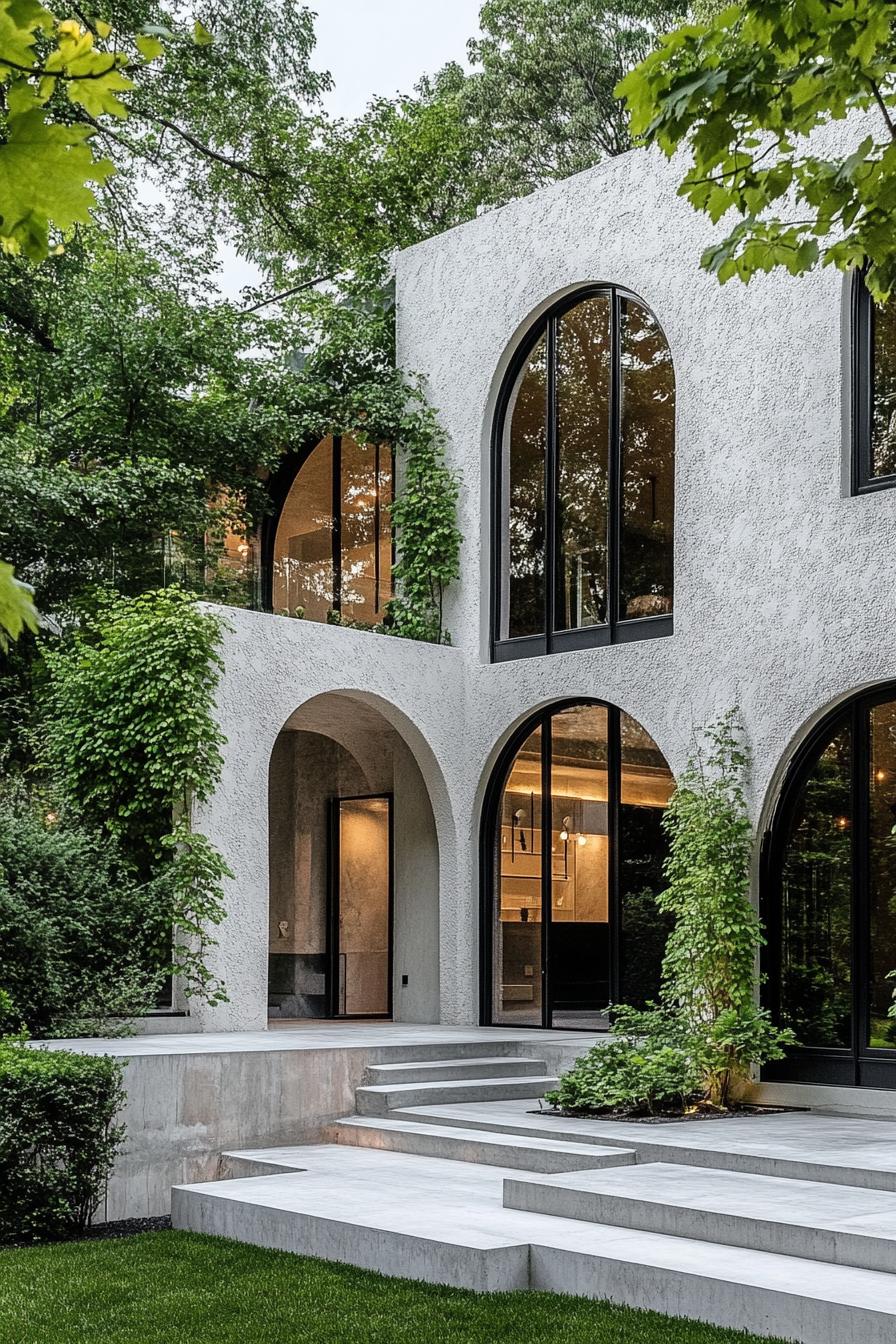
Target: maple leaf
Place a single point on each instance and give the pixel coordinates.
(44, 169)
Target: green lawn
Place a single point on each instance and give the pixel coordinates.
(179, 1288)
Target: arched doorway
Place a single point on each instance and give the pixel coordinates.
(572, 861)
(829, 899)
(353, 869)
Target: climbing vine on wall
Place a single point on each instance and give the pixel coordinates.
(132, 745)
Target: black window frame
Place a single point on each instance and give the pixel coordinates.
(615, 630)
(279, 486)
(863, 479)
(858, 1064)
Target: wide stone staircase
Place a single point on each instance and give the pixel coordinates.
(784, 1224)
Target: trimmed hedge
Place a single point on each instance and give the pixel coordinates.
(58, 1139)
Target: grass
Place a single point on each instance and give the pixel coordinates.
(181, 1288)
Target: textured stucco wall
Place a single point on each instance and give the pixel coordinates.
(783, 582)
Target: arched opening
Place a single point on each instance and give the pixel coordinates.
(583, 483)
(327, 550)
(354, 869)
(572, 862)
(829, 877)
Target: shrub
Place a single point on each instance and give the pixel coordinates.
(81, 937)
(58, 1139)
(649, 1064)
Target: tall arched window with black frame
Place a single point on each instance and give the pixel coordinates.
(584, 480)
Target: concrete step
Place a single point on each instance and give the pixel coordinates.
(834, 1150)
(471, 1145)
(837, 1225)
(439, 1070)
(382, 1098)
(443, 1222)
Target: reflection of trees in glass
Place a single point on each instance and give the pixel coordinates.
(882, 875)
(583, 400)
(642, 853)
(648, 464)
(816, 896)
(883, 429)
(525, 523)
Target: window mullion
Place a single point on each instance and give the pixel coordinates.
(337, 522)
(551, 486)
(614, 470)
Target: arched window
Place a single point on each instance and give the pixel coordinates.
(572, 861)
(584, 480)
(328, 548)
(829, 878)
(874, 390)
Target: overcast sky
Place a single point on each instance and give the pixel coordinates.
(376, 47)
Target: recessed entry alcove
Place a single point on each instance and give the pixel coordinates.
(354, 869)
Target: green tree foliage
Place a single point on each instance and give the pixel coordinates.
(542, 97)
(745, 92)
(83, 938)
(132, 746)
(128, 400)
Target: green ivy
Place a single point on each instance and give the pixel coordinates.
(132, 745)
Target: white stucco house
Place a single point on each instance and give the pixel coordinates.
(674, 501)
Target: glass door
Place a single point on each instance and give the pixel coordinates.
(573, 855)
(579, 909)
(360, 924)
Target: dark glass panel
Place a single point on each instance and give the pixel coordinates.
(583, 437)
(517, 923)
(579, 939)
(303, 547)
(883, 421)
(366, 560)
(882, 875)
(816, 902)
(647, 434)
(646, 786)
(523, 523)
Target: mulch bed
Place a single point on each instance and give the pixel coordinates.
(126, 1227)
(670, 1117)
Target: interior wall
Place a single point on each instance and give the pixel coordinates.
(307, 769)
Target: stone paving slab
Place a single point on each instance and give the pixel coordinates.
(444, 1221)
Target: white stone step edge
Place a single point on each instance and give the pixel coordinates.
(653, 1149)
(376, 1100)
(460, 1145)
(846, 1245)
(438, 1070)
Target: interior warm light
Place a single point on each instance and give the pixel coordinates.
(582, 840)
(842, 823)
(564, 835)
(880, 775)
